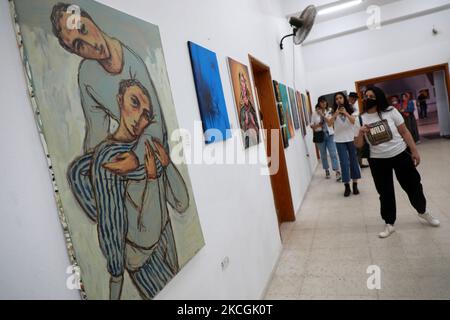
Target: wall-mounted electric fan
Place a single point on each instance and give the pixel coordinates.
(301, 25)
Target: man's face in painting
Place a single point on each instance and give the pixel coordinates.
(84, 39)
(135, 110)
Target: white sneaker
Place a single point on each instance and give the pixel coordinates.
(338, 176)
(432, 221)
(387, 231)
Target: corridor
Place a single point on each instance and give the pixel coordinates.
(327, 251)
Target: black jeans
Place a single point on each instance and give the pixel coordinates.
(423, 111)
(407, 176)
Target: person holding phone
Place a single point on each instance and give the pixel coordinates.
(392, 148)
(343, 120)
(321, 123)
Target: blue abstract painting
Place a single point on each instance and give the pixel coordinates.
(210, 96)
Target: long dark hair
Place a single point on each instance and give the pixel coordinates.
(322, 99)
(347, 105)
(382, 102)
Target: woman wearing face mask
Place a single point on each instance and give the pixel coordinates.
(343, 120)
(392, 148)
(320, 122)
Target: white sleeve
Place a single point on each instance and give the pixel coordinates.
(397, 117)
(315, 119)
(356, 127)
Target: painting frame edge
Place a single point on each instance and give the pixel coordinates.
(228, 60)
(37, 119)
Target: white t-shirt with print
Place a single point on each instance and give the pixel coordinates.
(388, 149)
(315, 119)
(344, 129)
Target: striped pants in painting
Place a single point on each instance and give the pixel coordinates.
(156, 272)
(79, 177)
(101, 194)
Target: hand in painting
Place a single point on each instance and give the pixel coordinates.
(161, 153)
(123, 163)
(151, 154)
(150, 162)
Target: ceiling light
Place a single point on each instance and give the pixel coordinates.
(339, 7)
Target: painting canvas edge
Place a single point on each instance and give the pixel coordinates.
(36, 114)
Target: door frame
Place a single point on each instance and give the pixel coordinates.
(281, 187)
(405, 74)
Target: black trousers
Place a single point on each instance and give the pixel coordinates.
(408, 177)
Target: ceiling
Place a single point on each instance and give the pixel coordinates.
(293, 10)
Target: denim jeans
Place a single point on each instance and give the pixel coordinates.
(348, 158)
(328, 144)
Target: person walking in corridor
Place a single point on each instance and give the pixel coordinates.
(392, 148)
(324, 137)
(423, 106)
(353, 101)
(408, 109)
(343, 119)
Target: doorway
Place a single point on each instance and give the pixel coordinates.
(269, 121)
(429, 90)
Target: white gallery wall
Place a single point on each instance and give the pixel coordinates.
(335, 64)
(235, 203)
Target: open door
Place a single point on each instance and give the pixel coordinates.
(443, 107)
(439, 77)
(269, 121)
(359, 85)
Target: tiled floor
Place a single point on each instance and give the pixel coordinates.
(327, 251)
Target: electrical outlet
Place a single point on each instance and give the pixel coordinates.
(225, 262)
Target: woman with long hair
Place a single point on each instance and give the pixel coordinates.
(343, 120)
(321, 123)
(392, 148)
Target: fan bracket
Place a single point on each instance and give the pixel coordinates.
(287, 36)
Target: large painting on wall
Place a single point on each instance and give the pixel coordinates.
(287, 110)
(306, 109)
(100, 93)
(281, 115)
(245, 104)
(294, 108)
(301, 113)
(211, 101)
(309, 107)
